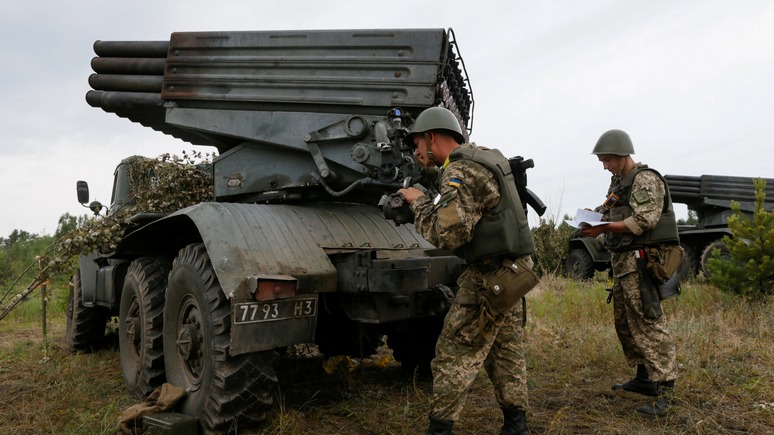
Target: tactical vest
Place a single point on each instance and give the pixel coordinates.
(665, 230)
(504, 231)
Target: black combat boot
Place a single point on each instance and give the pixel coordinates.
(439, 427)
(640, 383)
(514, 422)
(664, 401)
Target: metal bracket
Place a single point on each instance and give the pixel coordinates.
(353, 127)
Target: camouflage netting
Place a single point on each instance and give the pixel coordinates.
(161, 185)
(169, 183)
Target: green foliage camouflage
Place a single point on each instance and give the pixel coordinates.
(157, 185)
(160, 185)
(750, 272)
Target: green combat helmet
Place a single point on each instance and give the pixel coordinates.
(435, 118)
(615, 142)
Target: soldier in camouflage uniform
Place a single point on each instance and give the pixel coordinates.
(471, 191)
(639, 206)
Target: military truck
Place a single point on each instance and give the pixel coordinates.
(294, 249)
(709, 197)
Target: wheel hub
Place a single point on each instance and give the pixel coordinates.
(190, 342)
(133, 325)
(187, 343)
(132, 330)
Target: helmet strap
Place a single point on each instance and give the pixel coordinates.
(428, 142)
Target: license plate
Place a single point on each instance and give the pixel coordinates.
(254, 312)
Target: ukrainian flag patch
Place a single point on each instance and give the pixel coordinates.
(455, 182)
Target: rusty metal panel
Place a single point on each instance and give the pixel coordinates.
(367, 72)
(378, 68)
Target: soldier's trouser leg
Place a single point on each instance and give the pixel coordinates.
(505, 364)
(460, 354)
(644, 341)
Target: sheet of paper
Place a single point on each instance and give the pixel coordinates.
(586, 217)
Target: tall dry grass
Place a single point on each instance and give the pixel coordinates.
(725, 352)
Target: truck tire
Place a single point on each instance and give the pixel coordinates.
(85, 329)
(140, 321)
(707, 254)
(579, 264)
(222, 390)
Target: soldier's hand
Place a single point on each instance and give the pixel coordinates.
(411, 194)
(592, 231)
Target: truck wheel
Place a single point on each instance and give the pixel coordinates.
(579, 264)
(222, 390)
(413, 343)
(707, 254)
(85, 330)
(140, 321)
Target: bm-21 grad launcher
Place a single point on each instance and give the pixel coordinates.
(309, 129)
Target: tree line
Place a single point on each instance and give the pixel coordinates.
(19, 251)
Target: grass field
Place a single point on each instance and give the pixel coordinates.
(725, 351)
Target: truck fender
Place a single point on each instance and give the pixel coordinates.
(249, 240)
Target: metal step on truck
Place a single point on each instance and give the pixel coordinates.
(294, 248)
(709, 197)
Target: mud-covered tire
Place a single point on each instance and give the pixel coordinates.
(413, 343)
(707, 254)
(223, 391)
(85, 326)
(579, 264)
(140, 322)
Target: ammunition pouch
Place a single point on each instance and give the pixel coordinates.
(663, 264)
(506, 285)
(671, 288)
(664, 261)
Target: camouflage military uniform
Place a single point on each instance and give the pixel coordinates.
(469, 191)
(644, 341)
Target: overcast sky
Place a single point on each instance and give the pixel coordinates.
(691, 81)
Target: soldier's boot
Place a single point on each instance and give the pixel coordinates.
(664, 400)
(439, 427)
(514, 422)
(639, 384)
